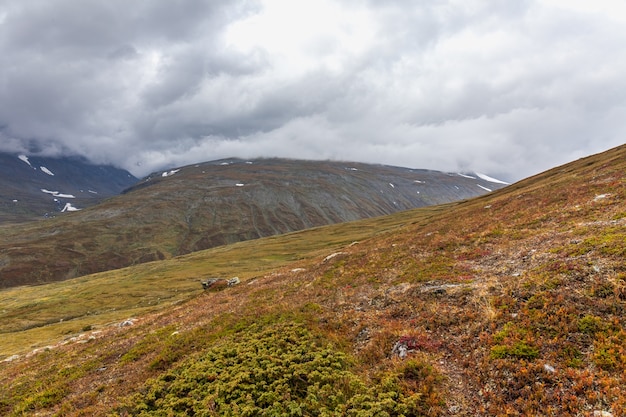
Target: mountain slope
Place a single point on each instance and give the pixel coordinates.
(508, 304)
(207, 205)
(37, 187)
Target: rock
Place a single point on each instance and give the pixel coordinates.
(549, 368)
(127, 322)
(400, 350)
(333, 255)
(209, 282)
(599, 413)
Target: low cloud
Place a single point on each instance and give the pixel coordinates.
(458, 86)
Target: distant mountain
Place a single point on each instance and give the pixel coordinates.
(216, 203)
(33, 187)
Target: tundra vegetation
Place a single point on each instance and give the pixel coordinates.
(508, 304)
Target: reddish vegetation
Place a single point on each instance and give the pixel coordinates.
(517, 301)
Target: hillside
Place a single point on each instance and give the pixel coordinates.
(37, 187)
(216, 203)
(509, 304)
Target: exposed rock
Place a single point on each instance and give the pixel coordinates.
(333, 255)
(400, 350)
(220, 283)
(209, 282)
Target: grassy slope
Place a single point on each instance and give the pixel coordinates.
(512, 302)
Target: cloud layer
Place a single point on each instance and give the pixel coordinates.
(507, 88)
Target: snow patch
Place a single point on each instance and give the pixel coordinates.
(484, 188)
(25, 159)
(239, 184)
(392, 186)
(490, 179)
(601, 197)
(69, 207)
(57, 194)
(47, 171)
(170, 173)
(92, 192)
(465, 176)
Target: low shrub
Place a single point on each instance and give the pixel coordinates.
(276, 370)
(520, 350)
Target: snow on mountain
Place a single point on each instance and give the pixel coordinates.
(47, 179)
(490, 179)
(57, 194)
(25, 159)
(170, 173)
(69, 207)
(47, 171)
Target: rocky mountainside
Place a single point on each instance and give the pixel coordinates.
(216, 203)
(39, 187)
(508, 304)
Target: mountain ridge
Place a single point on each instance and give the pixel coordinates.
(199, 206)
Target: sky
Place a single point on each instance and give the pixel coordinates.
(506, 88)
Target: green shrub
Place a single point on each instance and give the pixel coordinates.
(279, 370)
(590, 324)
(520, 350)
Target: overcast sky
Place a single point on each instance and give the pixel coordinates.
(507, 88)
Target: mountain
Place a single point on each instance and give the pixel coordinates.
(511, 303)
(216, 203)
(33, 187)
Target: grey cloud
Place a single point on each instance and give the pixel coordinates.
(507, 88)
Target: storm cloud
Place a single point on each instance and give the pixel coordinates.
(506, 88)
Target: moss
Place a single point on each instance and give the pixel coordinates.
(520, 350)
